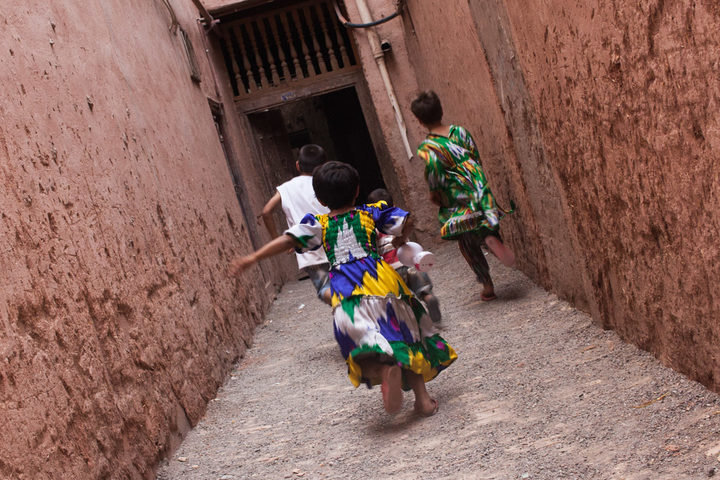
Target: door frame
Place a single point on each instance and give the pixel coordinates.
(319, 86)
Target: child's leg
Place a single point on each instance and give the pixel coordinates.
(433, 306)
(424, 404)
(470, 245)
(421, 285)
(326, 296)
(319, 277)
(390, 379)
(500, 250)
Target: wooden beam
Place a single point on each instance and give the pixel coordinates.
(302, 89)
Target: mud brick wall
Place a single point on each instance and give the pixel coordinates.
(627, 102)
(118, 218)
(448, 57)
(600, 120)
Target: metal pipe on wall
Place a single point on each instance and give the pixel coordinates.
(210, 22)
(379, 55)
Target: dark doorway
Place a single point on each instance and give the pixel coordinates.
(333, 120)
(351, 138)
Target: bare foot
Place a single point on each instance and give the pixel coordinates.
(427, 408)
(391, 388)
(503, 253)
(488, 292)
(486, 297)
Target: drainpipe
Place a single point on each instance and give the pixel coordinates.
(379, 55)
(208, 19)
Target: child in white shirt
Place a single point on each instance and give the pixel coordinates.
(297, 198)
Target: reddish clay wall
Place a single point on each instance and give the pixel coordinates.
(448, 58)
(627, 99)
(118, 220)
(599, 119)
(410, 182)
(433, 48)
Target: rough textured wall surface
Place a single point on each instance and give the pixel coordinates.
(413, 190)
(627, 99)
(117, 220)
(599, 119)
(448, 57)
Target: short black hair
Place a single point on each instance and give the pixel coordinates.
(335, 184)
(427, 108)
(310, 157)
(380, 194)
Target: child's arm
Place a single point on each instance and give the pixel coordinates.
(267, 214)
(407, 229)
(274, 247)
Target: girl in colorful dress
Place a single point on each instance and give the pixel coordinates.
(384, 333)
(468, 212)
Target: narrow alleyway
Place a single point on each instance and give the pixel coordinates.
(538, 392)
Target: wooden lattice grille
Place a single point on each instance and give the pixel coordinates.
(281, 46)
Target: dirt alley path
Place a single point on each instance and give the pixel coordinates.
(537, 392)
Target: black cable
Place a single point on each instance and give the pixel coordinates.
(349, 24)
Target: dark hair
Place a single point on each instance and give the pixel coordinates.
(310, 157)
(380, 194)
(335, 184)
(427, 108)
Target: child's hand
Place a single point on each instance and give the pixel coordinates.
(399, 241)
(240, 264)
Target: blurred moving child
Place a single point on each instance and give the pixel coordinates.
(419, 282)
(297, 198)
(384, 332)
(468, 212)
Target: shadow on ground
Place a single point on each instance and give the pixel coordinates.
(538, 392)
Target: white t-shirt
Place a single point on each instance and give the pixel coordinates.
(298, 199)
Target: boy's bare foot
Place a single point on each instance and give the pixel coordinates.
(391, 388)
(503, 253)
(427, 408)
(488, 292)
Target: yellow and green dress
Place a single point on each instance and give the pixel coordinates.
(375, 314)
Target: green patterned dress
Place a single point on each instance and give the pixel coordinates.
(453, 171)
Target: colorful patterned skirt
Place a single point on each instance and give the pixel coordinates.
(391, 329)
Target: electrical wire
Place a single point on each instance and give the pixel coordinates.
(346, 23)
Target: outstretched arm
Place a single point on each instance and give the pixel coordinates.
(274, 247)
(267, 214)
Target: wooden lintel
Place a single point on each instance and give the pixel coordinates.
(298, 90)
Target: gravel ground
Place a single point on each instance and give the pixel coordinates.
(537, 392)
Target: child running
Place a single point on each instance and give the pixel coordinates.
(419, 282)
(297, 198)
(384, 333)
(458, 186)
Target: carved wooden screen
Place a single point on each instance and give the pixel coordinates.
(282, 46)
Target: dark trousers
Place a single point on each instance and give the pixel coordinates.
(471, 244)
